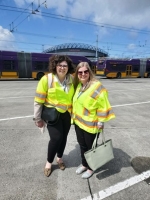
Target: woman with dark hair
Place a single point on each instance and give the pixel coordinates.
(58, 95)
(91, 108)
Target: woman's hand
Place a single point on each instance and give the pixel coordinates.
(40, 123)
(100, 125)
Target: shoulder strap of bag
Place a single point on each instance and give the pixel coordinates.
(96, 138)
(49, 80)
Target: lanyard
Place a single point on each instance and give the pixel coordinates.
(63, 84)
(82, 90)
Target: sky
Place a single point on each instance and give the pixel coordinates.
(119, 27)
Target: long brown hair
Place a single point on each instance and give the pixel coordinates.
(91, 77)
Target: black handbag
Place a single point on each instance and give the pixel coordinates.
(50, 115)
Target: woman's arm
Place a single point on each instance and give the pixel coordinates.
(37, 114)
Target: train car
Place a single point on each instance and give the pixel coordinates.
(147, 71)
(100, 66)
(29, 65)
(15, 65)
(120, 68)
(40, 63)
(93, 66)
(8, 64)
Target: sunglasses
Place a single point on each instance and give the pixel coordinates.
(83, 72)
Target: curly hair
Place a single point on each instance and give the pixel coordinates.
(56, 59)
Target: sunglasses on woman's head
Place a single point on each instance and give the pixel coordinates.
(83, 72)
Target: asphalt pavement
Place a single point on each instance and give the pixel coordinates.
(23, 148)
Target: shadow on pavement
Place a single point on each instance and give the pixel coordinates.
(121, 160)
(73, 159)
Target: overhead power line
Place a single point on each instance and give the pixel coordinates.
(66, 18)
(75, 39)
(23, 11)
(33, 12)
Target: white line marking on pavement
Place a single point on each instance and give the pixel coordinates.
(112, 106)
(16, 97)
(126, 90)
(131, 104)
(16, 118)
(119, 186)
(4, 89)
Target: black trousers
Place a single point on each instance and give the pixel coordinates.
(85, 141)
(58, 136)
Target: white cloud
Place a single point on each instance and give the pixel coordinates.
(119, 13)
(131, 46)
(133, 14)
(123, 13)
(5, 37)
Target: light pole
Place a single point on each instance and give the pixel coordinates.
(43, 47)
(96, 48)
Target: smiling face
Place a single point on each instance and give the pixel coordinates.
(62, 69)
(83, 75)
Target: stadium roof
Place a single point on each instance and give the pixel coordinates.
(76, 46)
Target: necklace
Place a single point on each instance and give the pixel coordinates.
(63, 83)
(82, 89)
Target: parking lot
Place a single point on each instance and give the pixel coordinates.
(23, 149)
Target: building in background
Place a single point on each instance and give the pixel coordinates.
(89, 51)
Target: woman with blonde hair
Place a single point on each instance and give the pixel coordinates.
(91, 108)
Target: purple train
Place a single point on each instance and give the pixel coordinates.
(29, 65)
(121, 68)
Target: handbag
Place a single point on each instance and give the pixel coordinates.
(100, 154)
(50, 115)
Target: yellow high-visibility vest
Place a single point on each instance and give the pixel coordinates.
(91, 106)
(55, 96)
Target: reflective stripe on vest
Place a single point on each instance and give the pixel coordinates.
(86, 123)
(54, 95)
(40, 96)
(85, 112)
(100, 88)
(64, 107)
(90, 107)
(104, 114)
